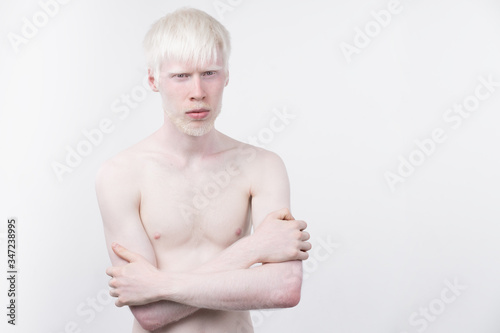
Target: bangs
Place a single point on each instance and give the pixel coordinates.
(188, 36)
(190, 47)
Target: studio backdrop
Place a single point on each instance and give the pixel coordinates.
(386, 114)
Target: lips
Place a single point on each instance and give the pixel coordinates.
(198, 113)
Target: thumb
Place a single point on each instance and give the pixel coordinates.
(124, 253)
(284, 214)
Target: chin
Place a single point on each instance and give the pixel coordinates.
(198, 130)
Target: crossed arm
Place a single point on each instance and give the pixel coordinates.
(228, 282)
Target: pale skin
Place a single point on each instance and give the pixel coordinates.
(178, 209)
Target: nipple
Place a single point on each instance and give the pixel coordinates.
(157, 235)
(238, 231)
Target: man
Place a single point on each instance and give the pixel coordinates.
(178, 206)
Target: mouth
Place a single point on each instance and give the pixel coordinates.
(198, 114)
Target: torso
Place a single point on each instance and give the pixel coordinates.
(193, 212)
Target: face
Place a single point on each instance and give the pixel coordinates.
(191, 96)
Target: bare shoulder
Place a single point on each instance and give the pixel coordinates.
(268, 179)
(123, 169)
(119, 166)
(256, 160)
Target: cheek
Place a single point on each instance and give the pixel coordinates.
(218, 91)
(172, 96)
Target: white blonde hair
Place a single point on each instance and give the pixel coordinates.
(187, 35)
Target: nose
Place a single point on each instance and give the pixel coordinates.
(197, 91)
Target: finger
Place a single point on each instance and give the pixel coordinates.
(305, 246)
(305, 236)
(288, 216)
(283, 214)
(113, 293)
(112, 283)
(301, 225)
(124, 253)
(303, 255)
(110, 271)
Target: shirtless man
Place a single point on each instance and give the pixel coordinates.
(178, 207)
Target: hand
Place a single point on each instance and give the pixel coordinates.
(281, 238)
(135, 282)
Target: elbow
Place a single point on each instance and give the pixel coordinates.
(288, 295)
(291, 298)
(146, 318)
(147, 323)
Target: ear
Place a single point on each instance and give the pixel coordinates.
(227, 79)
(151, 80)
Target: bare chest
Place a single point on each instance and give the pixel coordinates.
(195, 213)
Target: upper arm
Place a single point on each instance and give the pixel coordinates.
(270, 186)
(118, 195)
(119, 198)
(270, 192)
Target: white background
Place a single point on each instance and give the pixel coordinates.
(394, 250)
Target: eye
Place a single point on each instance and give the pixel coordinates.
(209, 73)
(180, 76)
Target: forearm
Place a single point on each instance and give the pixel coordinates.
(266, 286)
(274, 285)
(155, 315)
(239, 255)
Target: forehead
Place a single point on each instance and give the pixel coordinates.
(178, 66)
